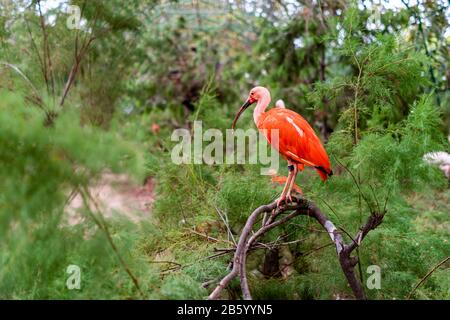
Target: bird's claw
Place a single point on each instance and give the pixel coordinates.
(281, 200)
(284, 200)
(289, 198)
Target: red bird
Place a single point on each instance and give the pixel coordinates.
(297, 141)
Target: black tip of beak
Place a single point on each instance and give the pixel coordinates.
(241, 110)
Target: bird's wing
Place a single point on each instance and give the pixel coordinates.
(297, 140)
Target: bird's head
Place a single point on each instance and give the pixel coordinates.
(256, 94)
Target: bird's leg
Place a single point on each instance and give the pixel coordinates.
(282, 197)
(291, 184)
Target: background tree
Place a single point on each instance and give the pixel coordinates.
(372, 77)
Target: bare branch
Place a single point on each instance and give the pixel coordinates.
(256, 235)
(240, 247)
(299, 207)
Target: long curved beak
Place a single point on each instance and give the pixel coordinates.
(241, 110)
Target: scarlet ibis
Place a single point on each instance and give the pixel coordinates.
(297, 141)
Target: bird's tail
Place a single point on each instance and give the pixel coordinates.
(324, 173)
(280, 104)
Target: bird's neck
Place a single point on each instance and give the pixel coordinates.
(260, 108)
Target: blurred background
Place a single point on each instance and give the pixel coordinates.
(91, 91)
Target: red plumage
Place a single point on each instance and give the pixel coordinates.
(298, 142)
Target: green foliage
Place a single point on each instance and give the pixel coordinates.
(40, 166)
(377, 94)
(395, 159)
(182, 287)
(239, 202)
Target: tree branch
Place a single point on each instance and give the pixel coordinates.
(299, 207)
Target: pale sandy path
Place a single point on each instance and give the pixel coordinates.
(116, 194)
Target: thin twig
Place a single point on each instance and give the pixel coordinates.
(317, 249)
(224, 218)
(426, 277)
(99, 221)
(356, 183)
(209, 237)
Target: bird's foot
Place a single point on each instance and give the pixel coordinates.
(289, 197)
(284, 199)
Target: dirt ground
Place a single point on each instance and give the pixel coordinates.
(116, 194)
